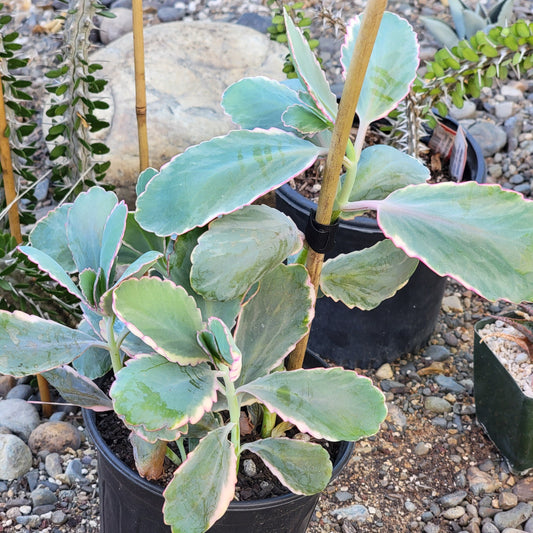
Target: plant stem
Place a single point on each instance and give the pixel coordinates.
(234, 412)
(341, 132)
(173, 457)
(181, 448)
(114, 350)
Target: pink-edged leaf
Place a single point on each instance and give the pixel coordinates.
(219, 176)
(31, 345)
(77, 389)
(167, 320)
(153, 393)
(203, 486)
(114, 229)
(149, 457)
(303, 467)
(329, 403)
(267, 331)
(167, 435)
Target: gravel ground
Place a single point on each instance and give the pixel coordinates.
(431, 468)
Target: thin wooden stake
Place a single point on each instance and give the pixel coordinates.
(140, 83)
(13, 217)
(350, 95)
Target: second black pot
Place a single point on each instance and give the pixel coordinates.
(366, 339)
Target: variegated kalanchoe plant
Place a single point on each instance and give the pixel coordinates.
(216, 294)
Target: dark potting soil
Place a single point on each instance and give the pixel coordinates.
(261, 486)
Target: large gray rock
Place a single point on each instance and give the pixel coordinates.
(15, 457)
(19, 417)
(188, 67)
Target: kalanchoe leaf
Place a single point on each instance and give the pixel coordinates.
(30, 345)
(52, 268)
(383, 169)
(87, 280)
(445, 225)
(167, 435)
(149, 457)
(50, 234)
(309, 70)
(112, 239)
(304, 120)
(306, 398)
(85, 226)
(260, 236)
(387, 79)
(168, 319)
(219, 176)
(365, 278)
(441, 31)
(267, 331)
(137, 241)
(258, 102)
(153, 393)
(78, 389)
(203, 486)
(303, 467)
(144, 177)
(94, 362)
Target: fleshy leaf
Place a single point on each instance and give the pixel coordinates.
(30, 345)
(258, 102)
(219, 176)
(149, 456)
(387, 78)
(441, 31)
(203, 486)
(51, 267)
(137, 241)
(303, 467)
(50, 235)
(144, 177)
(303, 119)
(77, 389)
(112, 238)
(261, 237)
(168, 319)
(365, 278)
(267, 331)
(85, 226)
(329, 403)
(168, 435)
(309, 70)
(94, 362)
(153, 393)
(479, 234)
(87, 280)
(383, 169)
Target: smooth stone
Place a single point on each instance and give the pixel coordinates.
(112, 29)
(504, 110)
(467, 111)
(528, 526)
(389, 384)
(453, 499)
(255, 21)
(436, 404)
(15, 457)
(437, 352)
(507, 500)
(517, 179)
(6, 384)
(32, 521)
(52, 464)
(514, 517)
(32, 477)
(59, 518)
(512, 93)
(384, 372)
(170, 14)
(355, 513)
(431, 528)
(422, 448)
(74, 471)
(249, 467)
(523, 188)
(524, 489)
(452, 303)
(489, 527)
(19, 416)
(54, 437)
(343, 496)
(481, 482)
(43, 509)
(58, 416)
(21, 392)
(396, 416)
(184, 87)
(448, 384)
(453, 513)
(43, 496)
(490, 137)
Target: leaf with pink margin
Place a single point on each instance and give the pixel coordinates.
(303, 467)
(114, 229)
(304, 120)
(31, 345)
(77, 389)
(153, 393)
(266, 331)
(328, 403)
(168, 435)
(309, 70)
(167, 321)
(52, 268)
(203, 486)
(260, 236)
(149, 456)
(390, 72)
(50, 235)
(365, 278)
(481, 235)
(219, 176)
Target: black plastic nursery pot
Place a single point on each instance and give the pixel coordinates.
(399, 325)
(502, 408)
(131, 504)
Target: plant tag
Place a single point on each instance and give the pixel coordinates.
(458, 156)
(442, 139)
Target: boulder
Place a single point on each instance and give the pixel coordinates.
(54, 437)
(188, 66)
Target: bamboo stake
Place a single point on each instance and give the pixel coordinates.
(13, 217)
(140, 82)
(350, 95)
